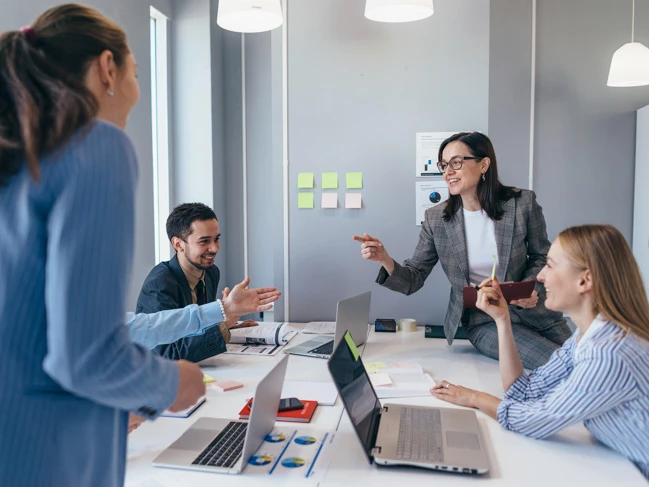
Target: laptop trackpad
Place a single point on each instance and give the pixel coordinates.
(462, 439)
(194, 439)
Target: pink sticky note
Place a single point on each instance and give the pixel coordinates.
(227, 385)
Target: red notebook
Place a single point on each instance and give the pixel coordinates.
(511, 291)
(303, 415)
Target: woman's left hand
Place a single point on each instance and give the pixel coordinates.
(527, 302)
(454, 394)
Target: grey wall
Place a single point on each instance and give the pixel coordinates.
(133, 16)
(358, 93)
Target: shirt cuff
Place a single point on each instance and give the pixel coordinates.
(503, 413)
(518, 390)
(225, 332)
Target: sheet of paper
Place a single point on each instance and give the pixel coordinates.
(320, 328)
(266, 333)
(353, 200)
(305, 180)
(426, 152)
(329, 200)
(293, 454)
(379, 379)
(329, 180)
(374, 366)
(305, 200)
(323, 391)
(427, 195)
(406, 385)
(354, 180)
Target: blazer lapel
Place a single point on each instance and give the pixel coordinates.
(504, 229)
(455, 231)
(174, 265)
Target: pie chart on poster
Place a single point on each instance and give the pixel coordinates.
(305, 440)
(275, 438)
(260, 460)
(293, 462)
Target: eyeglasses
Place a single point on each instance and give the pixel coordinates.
(455, 163)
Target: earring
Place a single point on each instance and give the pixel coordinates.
(483, 177)
(110, 92)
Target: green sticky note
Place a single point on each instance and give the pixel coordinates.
(354, 180)
(305, 180)
(352, 345)
(330, 180)
(374, 366)
(305, 200)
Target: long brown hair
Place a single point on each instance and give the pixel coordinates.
(620, 294)
(491, 192)
(43, 98)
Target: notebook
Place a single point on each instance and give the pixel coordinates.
(511, 291)
(303, 415)
(394, 434)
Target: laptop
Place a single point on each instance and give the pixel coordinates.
(394, 434)
(352, 314)
(222, 445)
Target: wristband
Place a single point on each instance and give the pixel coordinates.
(225, 317)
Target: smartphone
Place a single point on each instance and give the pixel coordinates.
(289, 404)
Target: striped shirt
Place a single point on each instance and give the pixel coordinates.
(151, 330)
(69, 371)
(601, 378)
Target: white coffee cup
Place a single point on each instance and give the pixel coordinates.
(407, 324)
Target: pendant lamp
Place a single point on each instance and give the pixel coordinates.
(398, 10)
(630, 63)
(249, 16)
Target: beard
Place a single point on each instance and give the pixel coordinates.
(199, 265)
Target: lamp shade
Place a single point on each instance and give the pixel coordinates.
(249, 15)
(629, 66)
(398, 10)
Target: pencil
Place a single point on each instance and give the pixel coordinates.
(493, 270)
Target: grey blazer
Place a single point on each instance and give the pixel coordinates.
(522, 243)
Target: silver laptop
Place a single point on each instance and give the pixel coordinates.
(352, 314)
(222, 445)
(393, 434)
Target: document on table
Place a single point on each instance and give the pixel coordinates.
(293, 454)
(320, 327)
(265, 334)
(323, 391)
(399, 379)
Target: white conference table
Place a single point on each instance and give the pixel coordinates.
(572, 457)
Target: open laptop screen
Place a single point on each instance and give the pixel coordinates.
(359, 398)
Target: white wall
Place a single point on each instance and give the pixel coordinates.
(641, 196)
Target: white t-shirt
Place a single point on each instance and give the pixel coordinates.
(480, 244)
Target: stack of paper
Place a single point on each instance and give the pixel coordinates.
(399, 379)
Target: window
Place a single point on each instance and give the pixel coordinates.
(160, 127)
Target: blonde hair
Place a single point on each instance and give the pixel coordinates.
(620, 294)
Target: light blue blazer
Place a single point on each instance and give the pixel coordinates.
(69, 372)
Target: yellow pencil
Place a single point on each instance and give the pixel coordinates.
(493, 271)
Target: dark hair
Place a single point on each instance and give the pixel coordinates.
(491, 192)
(179, 223)
(43, 97)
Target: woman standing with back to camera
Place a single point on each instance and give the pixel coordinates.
(480, 219)
(68, 369)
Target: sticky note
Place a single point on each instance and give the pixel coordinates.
(305, 180)
(374, 366)
(352, 345)
(354, 180)
(380, 379)
(227, 385)
(353, 200)
(208, 378)
(329, 180)
(305, 200)
(403, 365)
(329, 200)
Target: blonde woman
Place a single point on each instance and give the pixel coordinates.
(601, 374)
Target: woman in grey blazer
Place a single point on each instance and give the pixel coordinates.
(481, 218)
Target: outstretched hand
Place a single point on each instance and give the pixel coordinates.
(241, 300)
(372, 248)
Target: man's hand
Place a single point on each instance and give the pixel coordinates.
(190, 386)
(242, 301)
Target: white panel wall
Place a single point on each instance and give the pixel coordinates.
(641, 197)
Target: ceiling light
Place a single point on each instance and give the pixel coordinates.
(398, 10)
(249, 15)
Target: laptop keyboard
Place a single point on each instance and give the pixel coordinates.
(326, 349)
(420, 435)
(224, 450)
